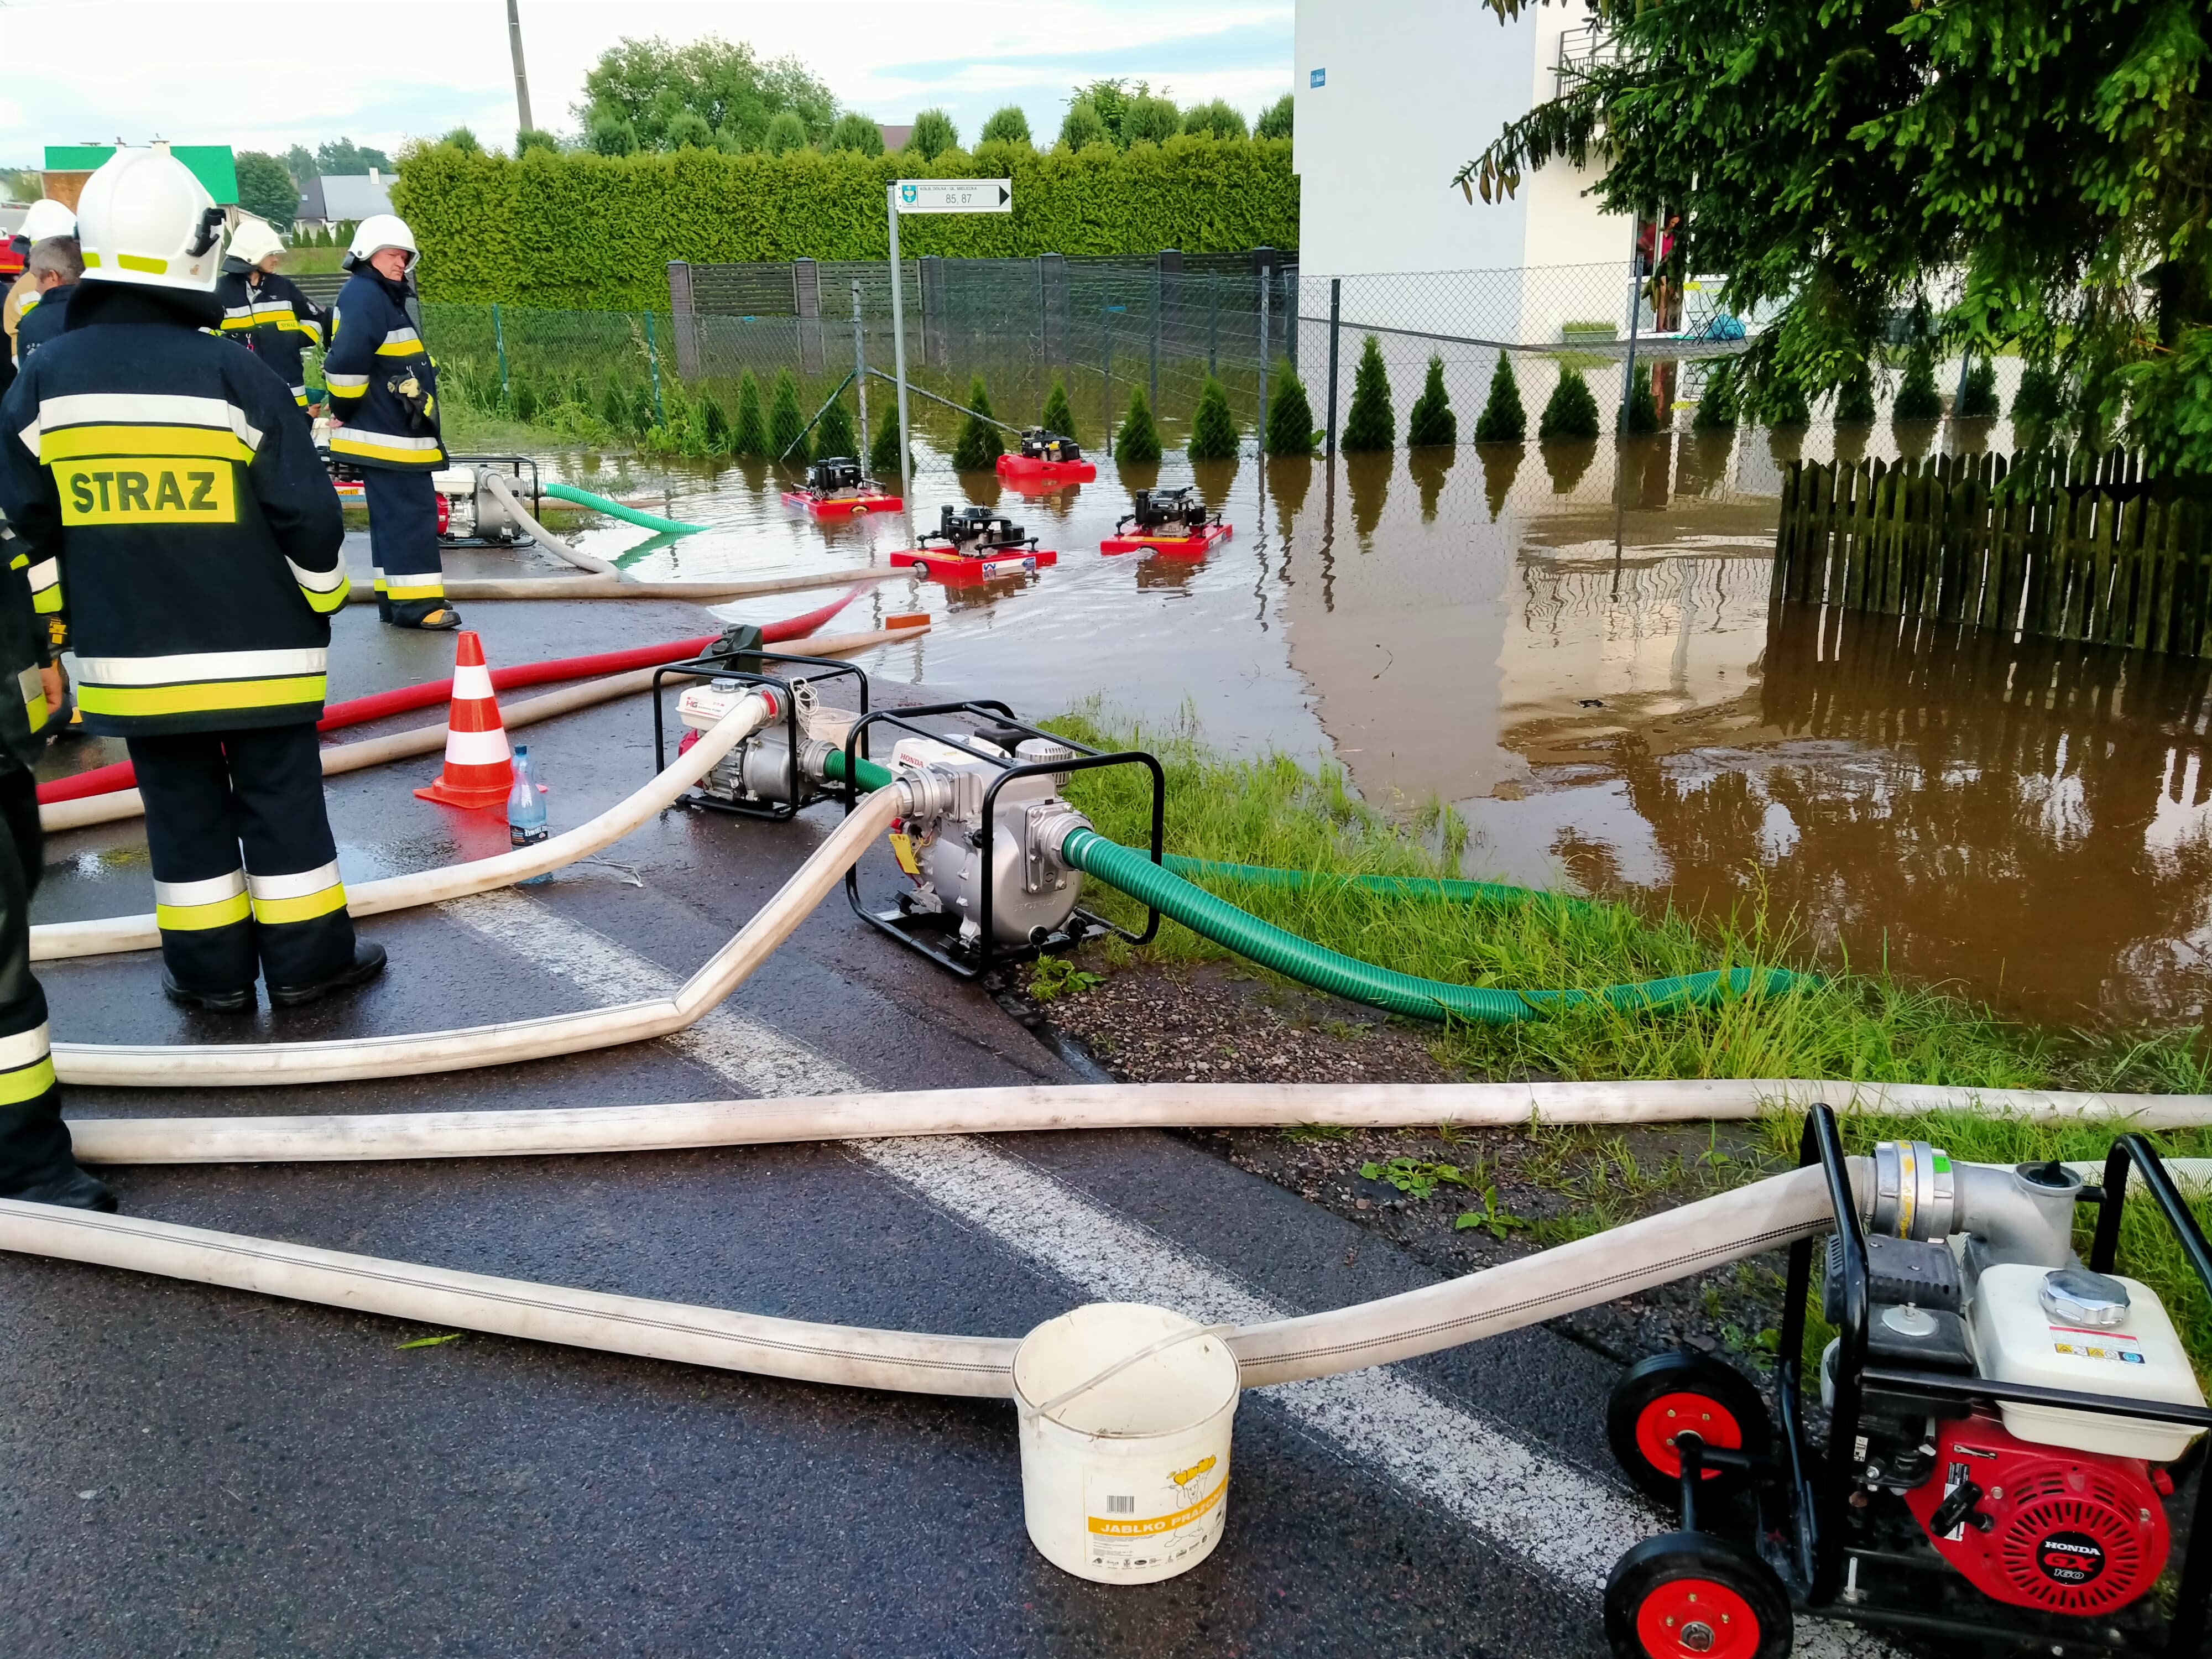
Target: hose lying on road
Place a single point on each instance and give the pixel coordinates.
(570, 1130)
(382, 705)
(150, 1066)
(1675, 1244)
(613, 509)
(340, 759)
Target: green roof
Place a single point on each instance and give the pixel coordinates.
(211, 164)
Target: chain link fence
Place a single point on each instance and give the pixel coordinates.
(1100, 329)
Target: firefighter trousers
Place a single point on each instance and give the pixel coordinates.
(34, 1145)
(403, 542)
(280, 908)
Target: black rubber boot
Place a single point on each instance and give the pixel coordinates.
(71, 1188)
(208, 1002)
(368, 962)
(426, 616)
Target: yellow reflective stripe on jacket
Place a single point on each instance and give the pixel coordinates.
(301, 898)
(142, 409)
(386, 446)
(325, 590)
(188, 907)
(208, 697)
(82, 443)
(33, 685)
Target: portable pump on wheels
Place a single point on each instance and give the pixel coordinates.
(2011, 1436)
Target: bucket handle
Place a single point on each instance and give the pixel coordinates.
(1171, 1340)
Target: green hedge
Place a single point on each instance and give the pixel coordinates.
(598, 232)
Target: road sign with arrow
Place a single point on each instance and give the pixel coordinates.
(954, 195)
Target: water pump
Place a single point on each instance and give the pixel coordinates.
(1165, 512)
(973, 532)
(1039, 444)
(835, 475)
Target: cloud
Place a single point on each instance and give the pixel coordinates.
(176, 71)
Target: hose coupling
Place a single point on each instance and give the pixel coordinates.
(1051, 830)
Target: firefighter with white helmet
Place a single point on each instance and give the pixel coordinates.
(383, 390)
(200, 543)
(46, 219)
(264, 310)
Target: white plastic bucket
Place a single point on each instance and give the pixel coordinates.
(1124, 1461)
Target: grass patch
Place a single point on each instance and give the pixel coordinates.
(1853, 1026)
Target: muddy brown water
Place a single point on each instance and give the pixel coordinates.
(1581, 657)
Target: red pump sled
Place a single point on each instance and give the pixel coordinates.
(1045, 458)
(975, 544)
(1171, 522)
(837, 487)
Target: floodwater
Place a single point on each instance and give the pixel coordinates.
(1582, 660)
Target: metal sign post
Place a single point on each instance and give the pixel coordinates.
(927, 195)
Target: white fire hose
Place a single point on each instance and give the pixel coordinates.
(566, 1131)
(1656, 1250)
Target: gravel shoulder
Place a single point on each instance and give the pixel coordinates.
(1458, 1200)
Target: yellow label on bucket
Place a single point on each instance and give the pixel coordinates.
(1107, 1526)
(902, 850)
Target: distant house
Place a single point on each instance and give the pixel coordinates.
(68, 167)
(335, 199)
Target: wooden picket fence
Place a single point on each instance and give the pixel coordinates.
(2067, 546)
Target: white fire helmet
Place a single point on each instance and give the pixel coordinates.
(378, 231)
(144, 220)
(254, 241)
(46, 218)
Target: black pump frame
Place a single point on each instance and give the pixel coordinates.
(723, 666)
(912, 927)
(1801, 1494)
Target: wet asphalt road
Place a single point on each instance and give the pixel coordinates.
(192, 1471)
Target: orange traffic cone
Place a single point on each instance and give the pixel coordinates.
(479, 768)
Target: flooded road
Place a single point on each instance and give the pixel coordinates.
(1592, 675)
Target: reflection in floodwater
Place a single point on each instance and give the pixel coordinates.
(1574, 645)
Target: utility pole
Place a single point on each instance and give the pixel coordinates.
(521, 75)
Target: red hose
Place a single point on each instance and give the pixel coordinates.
(378, 705)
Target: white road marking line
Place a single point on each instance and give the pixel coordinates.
(1555, 1516)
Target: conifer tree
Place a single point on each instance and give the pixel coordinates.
(1637, 414)
(1058, 418)
(1978, 401)
(978, 446)
(1290, 416)
(1212, 427)
(1855, 399)
(1431, 422)
(833, 433)
(1571, 414)
(787, 423)
(1369, 424)
(1918, 400)
(748, 433)
(714, 424)
(1716, 408)
(1138, 442)
(884, 452)
(1504, 418)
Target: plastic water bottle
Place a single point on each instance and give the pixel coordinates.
(526, 808)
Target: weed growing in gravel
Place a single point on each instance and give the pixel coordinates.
(1852, 1026)
(1416, 1177)
(1054, 976)
(1310, 1135)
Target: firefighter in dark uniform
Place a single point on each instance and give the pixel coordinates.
(384, 420)
(57, 266)
(200, 540)
(36, 1161)
(266, 312)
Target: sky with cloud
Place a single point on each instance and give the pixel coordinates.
(264, 77)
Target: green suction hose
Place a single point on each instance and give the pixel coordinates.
(1347, 976)
(1383, 987)
(1406, 887)
(613, 509)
